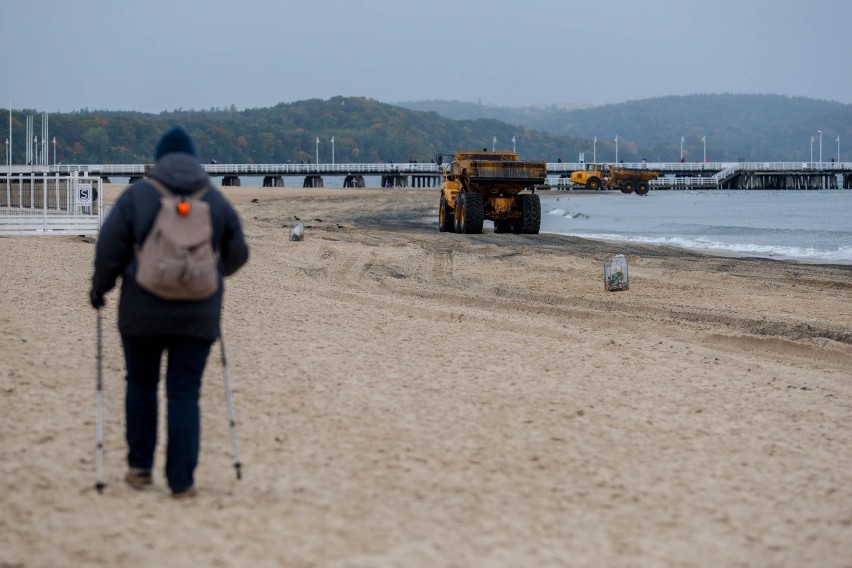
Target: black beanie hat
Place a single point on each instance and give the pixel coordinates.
(175, 140)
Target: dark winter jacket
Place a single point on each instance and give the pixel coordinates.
(140, 313)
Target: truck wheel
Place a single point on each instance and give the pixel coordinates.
(642, 188)
(529, 223)
(593, 184)
(628, 187)
(446, 222)
(470, 213)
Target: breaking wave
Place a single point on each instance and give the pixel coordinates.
(840, 255)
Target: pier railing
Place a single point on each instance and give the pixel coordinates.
(684, 182)
(672, 174)
(559, 168)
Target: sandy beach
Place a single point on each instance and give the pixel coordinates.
(412, 398)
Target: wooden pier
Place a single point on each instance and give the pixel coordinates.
(678, 175)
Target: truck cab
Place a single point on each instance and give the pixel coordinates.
(591, 176)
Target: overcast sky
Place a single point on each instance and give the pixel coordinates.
(156, 55)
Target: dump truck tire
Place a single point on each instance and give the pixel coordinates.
(593, 184)
(529, 223)
(628, 187)
(446, 218)
(642, 188)
(470, 213)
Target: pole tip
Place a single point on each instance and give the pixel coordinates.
(99, 487)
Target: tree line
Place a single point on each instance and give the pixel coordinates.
(734, 127)
(720, 127)
(364, 131)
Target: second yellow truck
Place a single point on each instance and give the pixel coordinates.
(603, 176)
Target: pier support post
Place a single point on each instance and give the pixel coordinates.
(394, 180)
(273, 181)
(354, 181)
(425, 181)
(313, 181)
(230, 181)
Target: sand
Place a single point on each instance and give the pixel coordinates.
(411, 398)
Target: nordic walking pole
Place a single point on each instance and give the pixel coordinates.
(99, 484)
(231, 419)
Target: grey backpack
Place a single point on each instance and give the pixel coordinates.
(177, 260)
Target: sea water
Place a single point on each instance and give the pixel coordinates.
(813, 226)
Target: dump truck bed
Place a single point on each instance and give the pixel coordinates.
(495, 172)
(619, 174)
(489, 185)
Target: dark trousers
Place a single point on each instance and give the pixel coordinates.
(186, 360)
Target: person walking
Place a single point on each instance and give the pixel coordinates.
(150, 325)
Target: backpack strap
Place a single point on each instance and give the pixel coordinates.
(166, 192)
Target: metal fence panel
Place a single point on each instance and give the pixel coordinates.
(49, 204)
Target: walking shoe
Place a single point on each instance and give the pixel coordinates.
(138, 478)
(184, 493)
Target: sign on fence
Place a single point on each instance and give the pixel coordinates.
(84, 193)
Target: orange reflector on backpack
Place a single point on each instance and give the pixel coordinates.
(183, 208)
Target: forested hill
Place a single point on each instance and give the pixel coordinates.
(364, 130)
(736, 127)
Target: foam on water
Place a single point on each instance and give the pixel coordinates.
(813, 226)
(840, 255)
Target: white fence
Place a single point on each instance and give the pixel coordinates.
(45, 204)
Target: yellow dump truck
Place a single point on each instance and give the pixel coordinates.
(628, 180)
(488, 185)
